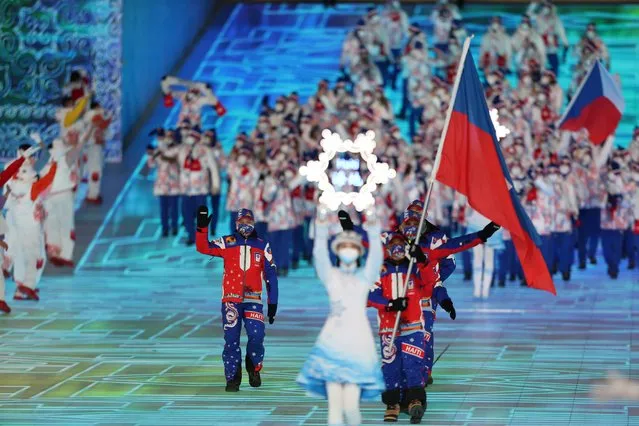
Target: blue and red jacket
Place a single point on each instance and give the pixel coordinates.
(434, 292)
(247, 261)
(389, 287)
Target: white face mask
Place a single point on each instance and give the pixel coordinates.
(189, 141)
(564, 170)
(545, 81)
(590, 34)
(348, 255)
(279, 107)
(517, 113)
(241, 160)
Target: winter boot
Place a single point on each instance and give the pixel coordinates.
(234, 384)
(468, 276)
(391, 398)
(295, 264)
(253, 372)
(417, 404)
(566, 275)
(430, 380)
(582, 265)
(502, 283)
(512, 277)
(631, 265)
(392, 413)
(593, 260)
(4, 307)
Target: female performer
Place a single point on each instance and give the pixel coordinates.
(343, 365)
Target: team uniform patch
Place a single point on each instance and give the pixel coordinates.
(258, 257)
(230, 239)
(412, 350)
(257, 316)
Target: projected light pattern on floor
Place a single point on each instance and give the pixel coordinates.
(135, 337)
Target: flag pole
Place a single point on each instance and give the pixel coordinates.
(577, 92)
(453, 95)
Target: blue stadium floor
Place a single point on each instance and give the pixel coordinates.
(134, 338)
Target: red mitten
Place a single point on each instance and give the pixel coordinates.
(501, 61)
(532, 195)
(220, 110)
(635, 229)
(168, 100)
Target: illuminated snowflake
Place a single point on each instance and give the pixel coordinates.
(500, 131)
(364, 144)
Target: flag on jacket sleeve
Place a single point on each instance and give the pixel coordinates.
(471, 162)
(597, 106)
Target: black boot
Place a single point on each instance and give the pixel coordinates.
(234, 385)
(254, 374)
(391, 399)
(593, 260)
(175, 231)
(524, 283)
(582, 264)
(631, 265)
(295, 264)
(555, 268)
(502, 282)
(165, 233)
(284, 272)
(512, 277)
(416, 404)
(468, 275)
(614, 274)
(566, 275)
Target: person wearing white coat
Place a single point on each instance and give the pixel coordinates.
(59, 223)
(343, 366)
(25, 236)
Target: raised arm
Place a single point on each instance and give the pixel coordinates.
(11, 170)
(215, 248)
(43, 183)
(321, 257)
(375, 257)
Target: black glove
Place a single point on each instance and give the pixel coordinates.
(447, 305)
(564, 54)
(272, 310)
(399, 304)
(345, 221)
(488, 231)
(418, 254)
(203, 218)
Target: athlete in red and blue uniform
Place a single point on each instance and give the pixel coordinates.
(402, 363)
(247, 259)
(436, 247)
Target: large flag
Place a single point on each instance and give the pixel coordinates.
(470, 161)
(597, 105)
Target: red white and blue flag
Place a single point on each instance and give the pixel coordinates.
(470, 161)
(597, 106)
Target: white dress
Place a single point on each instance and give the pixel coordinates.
(345, 350)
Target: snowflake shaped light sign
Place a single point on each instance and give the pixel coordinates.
(500, 131)
(364, 144)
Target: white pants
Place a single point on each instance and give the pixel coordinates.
(59, 225)
(94, 167)
(26, 253)
(483, 267)
(343, 402)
